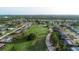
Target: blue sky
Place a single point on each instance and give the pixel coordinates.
(24, 10)
(39, 7)
(38, 11)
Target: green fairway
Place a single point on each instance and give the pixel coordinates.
(76, 27)
(37, 44)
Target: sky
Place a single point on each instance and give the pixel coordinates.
(24, 11)
(36, 11)
(39, 7)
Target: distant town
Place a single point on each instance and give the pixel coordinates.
(39, 33)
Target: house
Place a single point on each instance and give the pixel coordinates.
(7, 39)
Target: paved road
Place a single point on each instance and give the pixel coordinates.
(11, 32)
(48, 43)
(24, 25)
(2, 44)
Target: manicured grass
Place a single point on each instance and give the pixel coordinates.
(76, 27)
(7, 47)
(37, 44)
(39, 30)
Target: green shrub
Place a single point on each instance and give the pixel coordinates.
(31, 36)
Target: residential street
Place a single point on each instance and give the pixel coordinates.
(48, 43)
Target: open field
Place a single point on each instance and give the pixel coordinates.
(37, 44)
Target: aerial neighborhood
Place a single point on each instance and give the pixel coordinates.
(39, 33)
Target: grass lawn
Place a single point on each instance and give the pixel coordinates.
(37, 44)
(76, 27)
